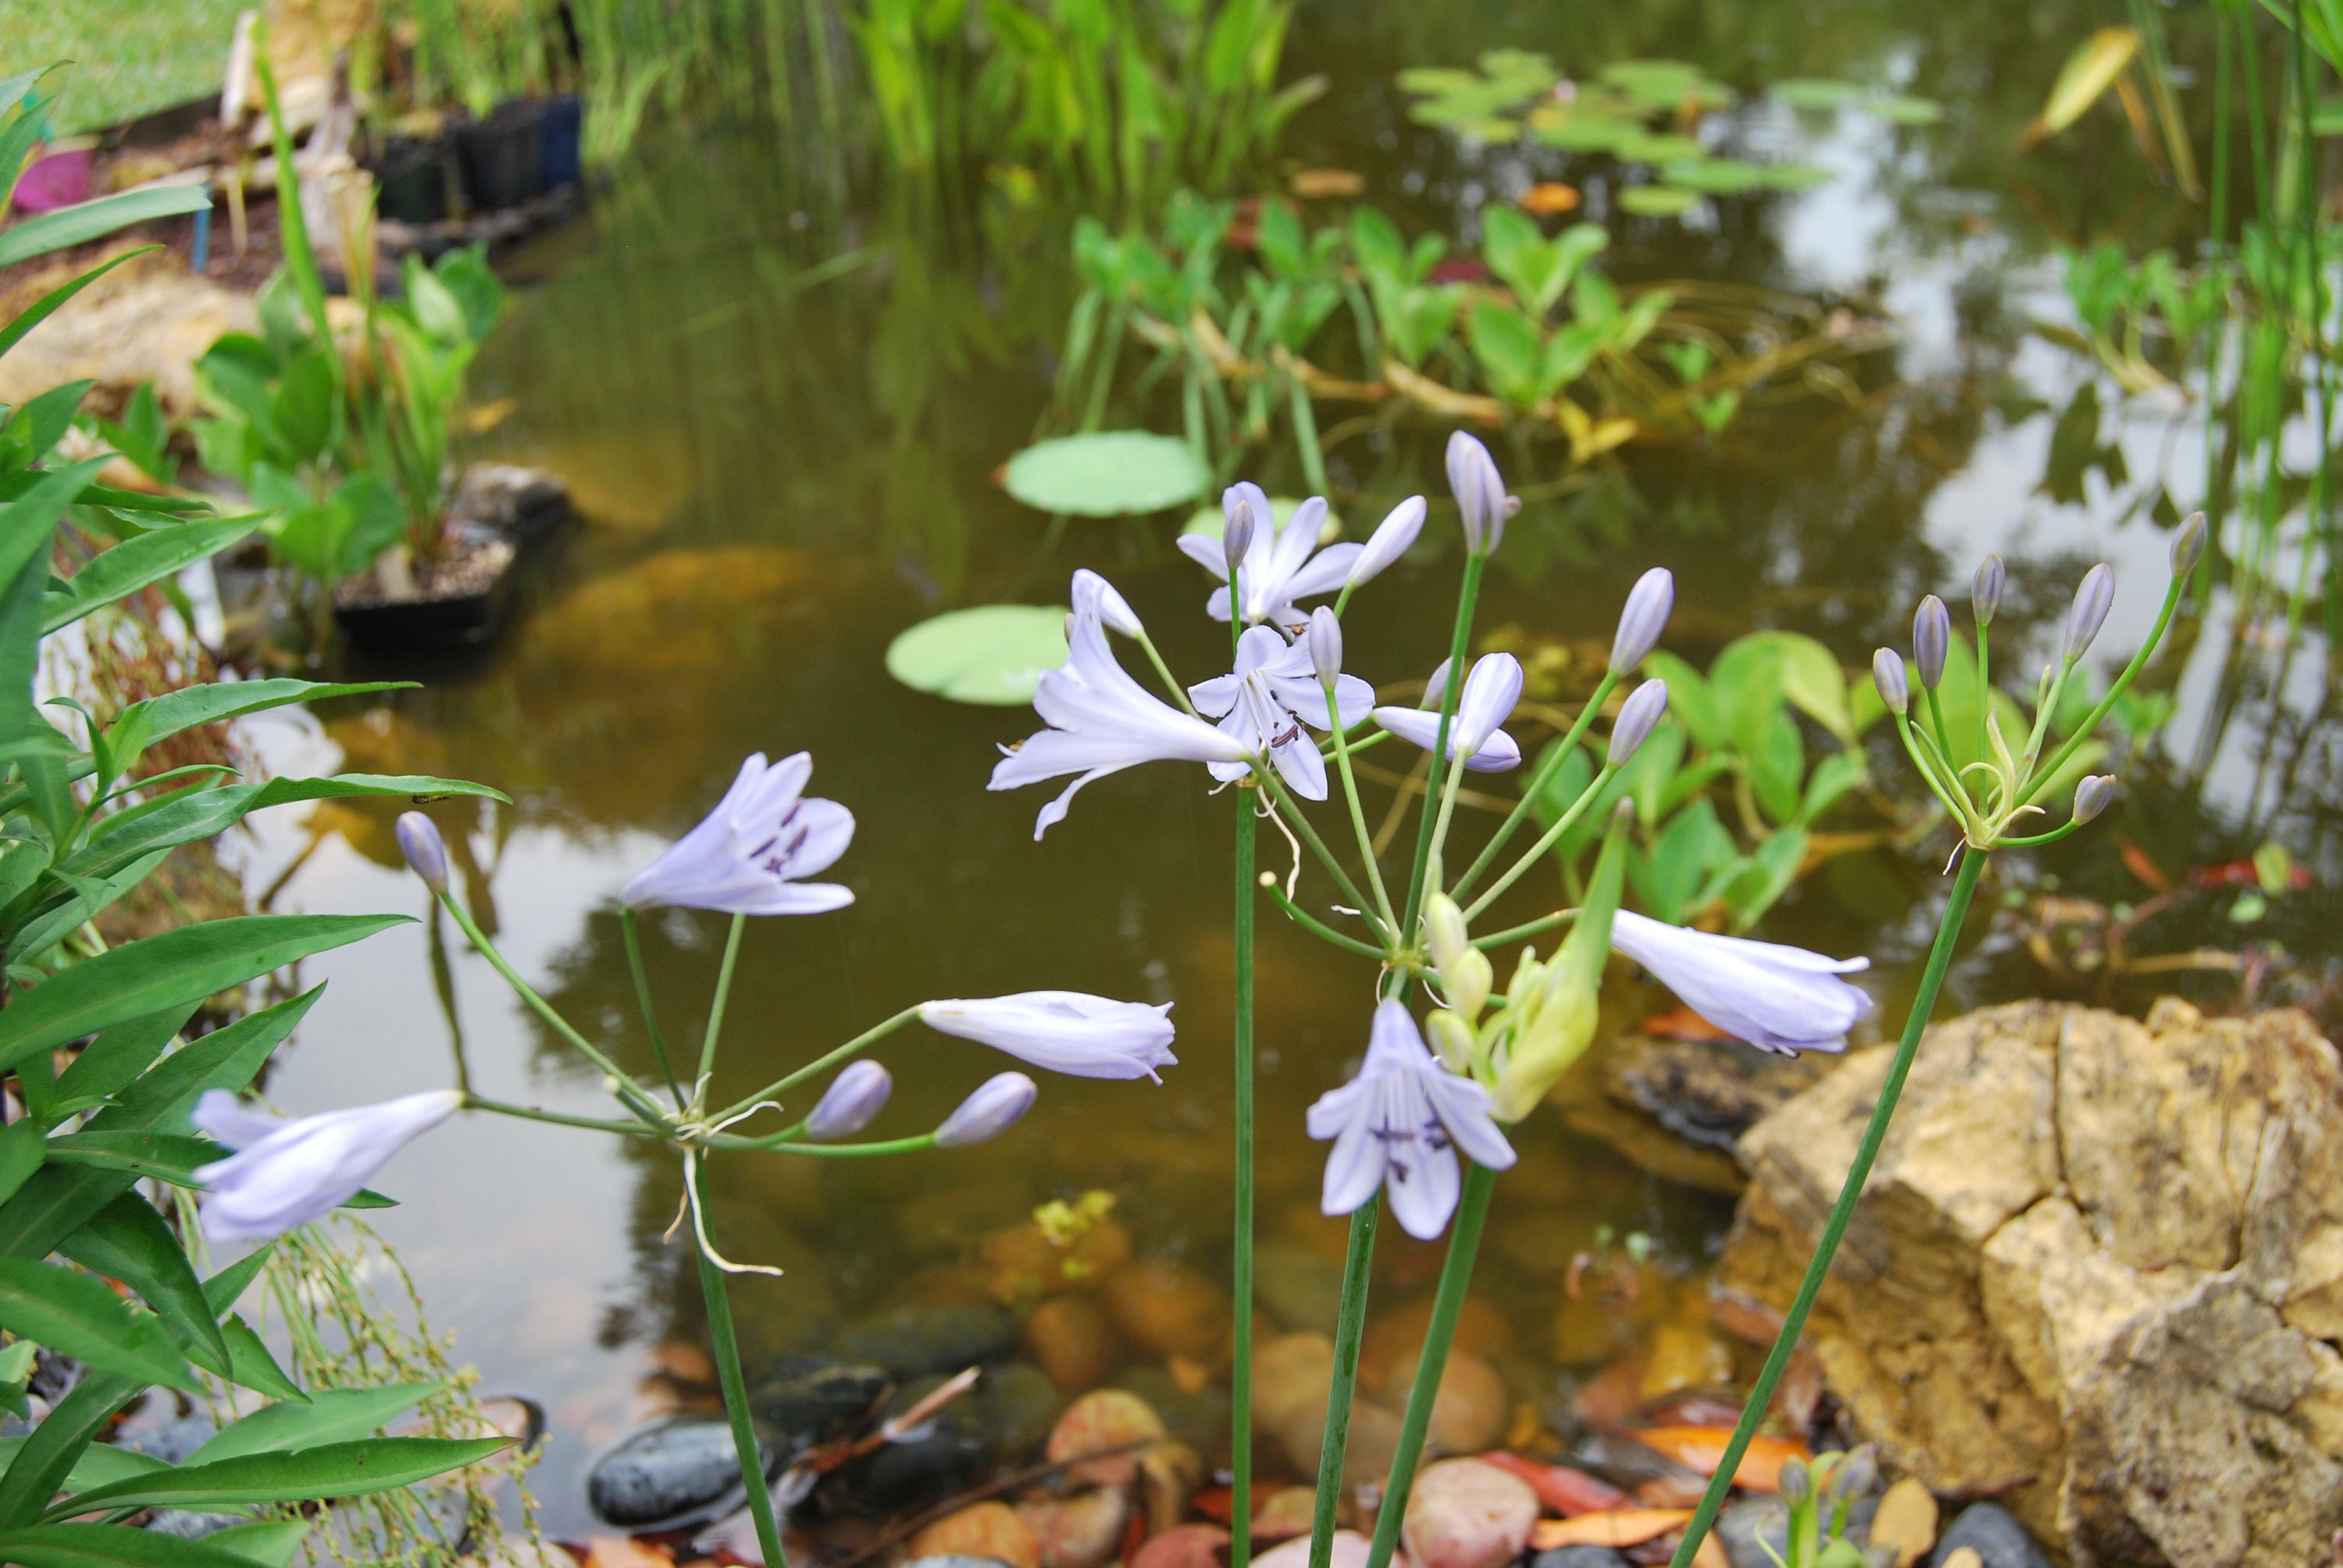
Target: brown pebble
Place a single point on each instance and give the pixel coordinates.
(1166, 1311)
(1467, 1514)
(1108, 1418)
(1391, 1340)
(620, 1552)
(1168, 1474)
(1906, 1521)
(1367, 1454)
(1963, 1557)
(1288, 1511)
(980, 1530)
(1472, 1408)
(1288, 1373)
(1078, 1532)
(1071, 1340)
(1185, 1546)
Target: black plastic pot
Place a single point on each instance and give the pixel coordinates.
(429, 624)
(412, 184)
(558, 135)
(502, 156)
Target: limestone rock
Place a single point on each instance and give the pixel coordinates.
(2103, 1254)
(1465, 1514)
(147, 320)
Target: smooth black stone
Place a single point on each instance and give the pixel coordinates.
(1581, 1557)
(915, 1341)
(1012, 1409)
(1996, 1534)
(673, 1472)
(807, 1403)
(1624, 1461)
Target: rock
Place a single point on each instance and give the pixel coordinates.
(680, 1470)
(987, 1530)
(1186, 1546)
(1196, 1417)
(1012, 1411)
(923, 1472)
(1750, 1528)
(1298, 1288)
(2103, 1254)
(521, 503)
(1466, 1514)
(808, 1402)
(1022, 1263)
(916, 1341)
(1996, 1536)
(1707, 1092)
(1472, 1408)
(1110, 1418)
(1906, 1523)
(1582, 1557)
(1351, 1549)
(1622, 1461)
(1285, 1513)
(1073, 1342)
(1078, 1532)
(1963, 1557)
(1290, 1374)
(148, 320)
(620, 1552)
(1168, 1474)
(1367, 1454)
(1165, 1310)
(1684, 1357)
(172, 1439)
(1396, 1338)
(192, 1526)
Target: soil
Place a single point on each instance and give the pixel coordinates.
(471, 565)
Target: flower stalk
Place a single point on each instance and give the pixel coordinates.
(1240, 1356)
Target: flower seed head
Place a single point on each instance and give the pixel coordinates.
(1325, 636)
(426, 851)
(853, 1101)
(1932, 637)
(1391, 539)
(1984, 593)
(1642, 618)
(2093, 795)
(1246, 510)
(1480, 493)
(998, 1104)
(1887, 673)
(2093, 599)
(1638, 716)
(2188, 544)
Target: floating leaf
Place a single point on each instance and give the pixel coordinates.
(1646, 148)
(1658, 201)
(1107, 474)
(1815, 92)
(1489, 130)
(1735, 176)
(1901, 109)
(1579, 133)
(992, 654)
(1438, 81)
(2086, 76)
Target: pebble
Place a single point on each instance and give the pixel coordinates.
(1185, 1546)
(1581, 1557)
(1296, 1286)
(1290, 1374)
(1467, 1514)
(1743, 1525)
(1078, 1532)
(1994, 1535)
(1022, 1263)
(1106, 1418)
(1012, 1410)
(1396, 1338)
(917, 1342)
(619, 1551)
(1367, 1454)
(987, 1530)
(1906, 1521)
(1073, 1342)
(1285, 1513)
(808, 1402)
(192, 1526)
(674, 1472)
(1472, 1408)
(950, 1560)
(1168, 1474)
(1682, 1357)
(1351, 1549)
(1166, 1311)
(1963, 1557)
(1196, 1417)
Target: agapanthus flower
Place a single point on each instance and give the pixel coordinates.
(999, 1103)
(1780, 999)
(287, 1173)
(746, 857)
(1279, 567)
(1101, 721)
(1267, 699)
(1063, 1031)
(1490, 692)
(1398, 1124)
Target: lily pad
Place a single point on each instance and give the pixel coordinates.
(1211, 521)
(1732, 176)
(1584, 132)
(1902, 110)
(992, 654)
(1658, 201)
(1646, 147)
(1815, 92)
(1107, 475)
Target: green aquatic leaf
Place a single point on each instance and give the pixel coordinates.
(1583, 133)
(1818, 93)
(1901, 109)
(1716, 176)
(330, 1415)
(1107, 474)
(1438, 81)
(1646, 148)
(75, 1315)
(1658, 201)
(331, 1469)
(992, 654)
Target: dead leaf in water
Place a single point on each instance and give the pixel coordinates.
(1620, 1527)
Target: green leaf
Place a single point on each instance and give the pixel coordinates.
(72, 225)
(271, 1543)
(119, 1055)
(77, 1316)
(104, 1463)
(331, 1415)
(1902, 110)
(1777, 766)
(134, 563)
(221, 1291)
(57, 1445)
(127, 1241)
(48, 924)
(142, 724)
(1833, 777)
(168, 1157)
(1509, 350)
(1657, 201)
(251, 1366)
(1691, 700)
(1107, 474)
(1765, 878)
(334, 1470)
(179, 966)
(1693, 844)
(992, 654)
(20, 1154)
(114, 1546)
(1748, 677)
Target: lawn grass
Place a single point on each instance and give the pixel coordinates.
(131, 57)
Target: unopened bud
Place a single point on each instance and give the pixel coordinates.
(1444, 932)
(1436, 690)
(1451, 1041)
(1932, 638)
(1984, 593)
(1392, 538)
(998, 1104)
(2093, 599)
(1480, 493)
(2093, 795)
(853, 1101)
(2188, 544)
(1638, 716)
(1113, 609)
(1855, 1476)
(1325, 646)
(1887, 673)
(1642, 618)
(426, 851)
(1246, 511)
(1796, 1482)
(1469, 980)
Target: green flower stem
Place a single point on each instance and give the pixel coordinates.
(1459, 640)
(628, 924)
(1932, 981)
(1546, 840)
(2042, 712)
(2050, 837)
(1241, 1360)
(530, 1113)
(1350, 1330)
(1455, 1278)
(627, 1090)
(1936, 718)
(1305, 436)
(2084, 730)
(820, 1064)
(1291, 813)
(1326, 748)
(1985, 690)
(1359, 815)
(1313, 925)
(735, 1384)
(1937, 773)
(1555, 757)
(716, 1010)
(1163, 672)
(1447, 813)
(1544, 923)
(787, 1142)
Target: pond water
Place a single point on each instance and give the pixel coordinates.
(783, 463)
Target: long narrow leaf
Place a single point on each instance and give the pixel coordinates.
(57, 1445)
(149, 1156)
(271, 1543)
(333, 1469)
(102, 1463)
(115, 1058)
(251, 1366)
(134, 563)
(79, 224)
(75, 1314)
(41, 309)
(331, 1415)
(113, 1546)
(127, 1241)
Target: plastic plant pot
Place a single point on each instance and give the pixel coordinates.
(502, 156)
(559, 137)
(412, 184)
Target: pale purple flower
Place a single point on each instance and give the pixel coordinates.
(1984, 591)
(1642, 618)
(2092, 598)
(1887, 673)
(1090, 588)
(1480, 493)
(1279, 567)
(287, 1173)
(1265, 703)
(1780, 999)
(854, 1098)
(1065, 1032)
(747, 856)
(1490, 689)
(1398, 1124)
(1391, 539)
(1638, 716)
(999, 1103)
(1931, 639)
(2188, 544)
(2092, 796)
(1101, 721)
(426, 851)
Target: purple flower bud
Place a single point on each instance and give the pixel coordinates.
(1932, 638)
(853, 1099)
(1855, 1476)
(1094, 592)
(1247, 511)
(1984, 593)
(1325, 637)
(1796, 1483)
(1391, 538)
(1637, 717)
(998, 1104)
(1480, 493)
(1887, 673)
(2092, 796)
(1642, 618)
(2093, 599)
(2188, 544)
(1436, 690)
(426, 852)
